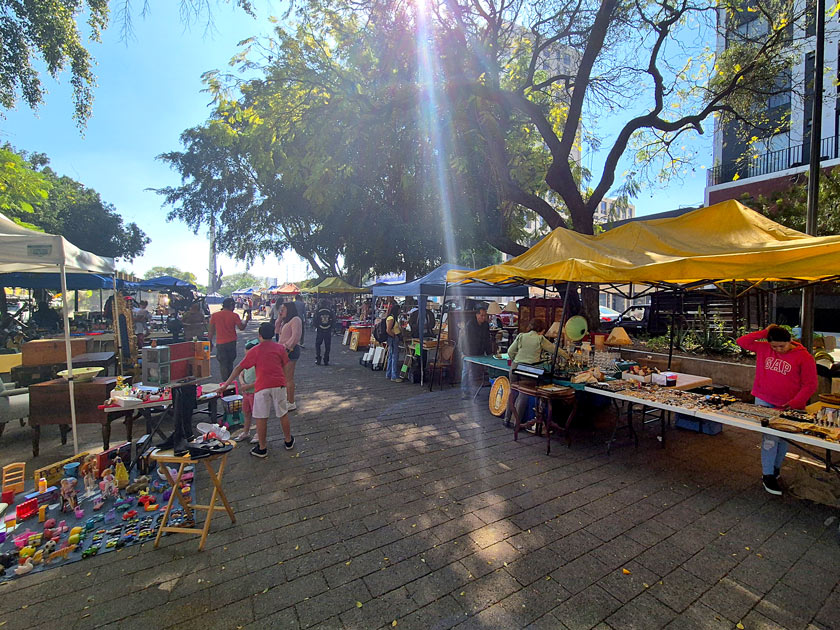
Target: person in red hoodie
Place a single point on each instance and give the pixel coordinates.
(785, 378)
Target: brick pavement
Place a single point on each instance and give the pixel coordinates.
(403, 505)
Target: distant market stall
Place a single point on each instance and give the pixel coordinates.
(337, 285)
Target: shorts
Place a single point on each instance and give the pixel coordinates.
(248, 404)
(265, 399)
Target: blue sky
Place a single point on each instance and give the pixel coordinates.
(149, 91)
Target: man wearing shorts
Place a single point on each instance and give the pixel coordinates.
(268, 358)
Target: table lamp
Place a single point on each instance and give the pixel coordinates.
(618, 337)
(511, 307)
(553, 330)
(494, 309)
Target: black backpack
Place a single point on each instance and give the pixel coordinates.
(380, 331)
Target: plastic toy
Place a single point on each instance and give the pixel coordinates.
(26, 509)
(62, 527)
(151, 507)
(10, 522)
(27, 551)
(69, 499)
(42, 485)
(111, 515)
(74, 539)
(120, 473)
(97, 505)
(2, 537)
(79, 512)
(42, 513)
(21, 540)
(139, 484)
(24, 568)
(108, 485)
(90, 472)
(13, 475)
(129, 515)
(7, 497)
(77, 530)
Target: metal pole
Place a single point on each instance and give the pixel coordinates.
(562, 324)
(440, 331)
(807, 311)
(69, 355)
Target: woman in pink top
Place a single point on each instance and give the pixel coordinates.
(289, 328)
(785, 378)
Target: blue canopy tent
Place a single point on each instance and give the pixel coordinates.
(75, 281)
(164, 283)
(248, 291)
(434, 283)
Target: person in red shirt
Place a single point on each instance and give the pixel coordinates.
(269, 358)
(785, 378)
(222, 328)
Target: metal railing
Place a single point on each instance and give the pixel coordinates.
(758, 164)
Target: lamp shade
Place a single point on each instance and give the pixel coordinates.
(553, 330)
(494, 309)
(618, 337)
(511, 307)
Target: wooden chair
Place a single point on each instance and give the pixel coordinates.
(444, 362)
(545, 410)
(13, 475)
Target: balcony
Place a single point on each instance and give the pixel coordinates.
(771, 162)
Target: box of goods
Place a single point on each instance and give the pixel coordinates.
(48, 351)
(688, 423)
(201, 368)
(202, 350)
(641, 378)
(665, 379)
(105, 459)
(158, 354)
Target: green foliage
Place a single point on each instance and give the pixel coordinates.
(175, 272)
(237, 281)
(21, 188)
(33, 195)
(789, 206)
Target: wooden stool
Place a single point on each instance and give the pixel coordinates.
(167, 457)
(563, 395)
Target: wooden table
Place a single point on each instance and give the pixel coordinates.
(549, 395)
(49, 403)
(218, 494)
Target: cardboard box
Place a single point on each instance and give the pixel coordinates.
(49, 351)
(698, 426)
(627, 376)
(201, 368)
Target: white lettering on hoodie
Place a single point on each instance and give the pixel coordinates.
(777, 365)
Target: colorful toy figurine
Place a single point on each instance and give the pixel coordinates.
(24, 568)
(139, 484)
(120, 473)
(79, 511)
(69, 498)
(90, 473)
(108, 485)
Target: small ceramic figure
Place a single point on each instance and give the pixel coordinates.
(89, 473)
(69, 500)
(120, 473)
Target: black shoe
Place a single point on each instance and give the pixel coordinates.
(326, 362)
(289, 445)
(771, 484)
(317, 361)
(777, 472)
(262, 453)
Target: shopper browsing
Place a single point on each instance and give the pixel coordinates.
(223, 325)
(288, 329)
(247, 381)
(324, 321)
(392, 328)
(785, 378)
(270, 359)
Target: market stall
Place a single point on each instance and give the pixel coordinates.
(724, 243)
(25, 250)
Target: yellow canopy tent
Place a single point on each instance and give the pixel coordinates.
(727, 241)
(337, 285)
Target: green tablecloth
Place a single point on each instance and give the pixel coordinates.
(501, 365)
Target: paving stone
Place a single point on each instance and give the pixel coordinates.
(586, 609)
(579, 574)
(730, 599)
(626, 586)
(332, 602)
(710, 565)
(700, 617)
(642, 613)
(534, 566)
(679, 589)
(758, 572)
(787, 607)
(663, 557)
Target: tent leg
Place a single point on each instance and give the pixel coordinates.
(440, 331)
(66, 312)
(562, 325)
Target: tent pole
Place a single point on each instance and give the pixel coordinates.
(69, 355)
(440, 331)
(563, 319)
(421, 325)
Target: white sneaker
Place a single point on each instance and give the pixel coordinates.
(291, 407)
(254, 439)
(241, 435)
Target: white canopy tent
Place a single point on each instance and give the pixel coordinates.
(22, 249)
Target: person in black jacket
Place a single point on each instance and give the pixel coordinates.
(475, 340)
(323, 323)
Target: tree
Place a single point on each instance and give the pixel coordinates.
(46, 34)
(33, 195)
(789, 206)
(175, 272)
(237, 281)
